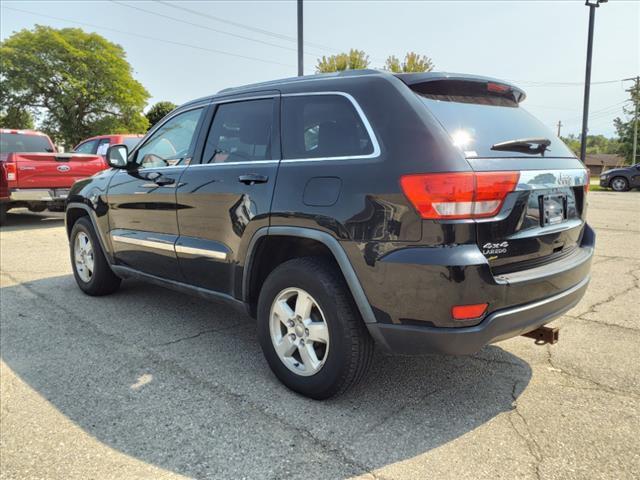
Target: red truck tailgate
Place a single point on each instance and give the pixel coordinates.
(55, 170)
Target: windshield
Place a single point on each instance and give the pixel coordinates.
(18, 142)
(475, 128)
(131, 142)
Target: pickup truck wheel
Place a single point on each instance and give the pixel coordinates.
(310, 330)
(619, 184)
(90, 267)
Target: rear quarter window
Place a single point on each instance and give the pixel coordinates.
(322, 126)
(476, 126)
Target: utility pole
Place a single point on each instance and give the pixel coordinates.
(592, 4)
(559, 126)
(636, 89)
(300, 36)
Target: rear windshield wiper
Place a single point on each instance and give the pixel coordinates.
(524, 145)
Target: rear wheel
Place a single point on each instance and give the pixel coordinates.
(310, 330)
(3, 214)
(90, 267)
(619, 184)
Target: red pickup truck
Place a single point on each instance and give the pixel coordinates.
(34, 175)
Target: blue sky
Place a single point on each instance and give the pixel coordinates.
(538, 44)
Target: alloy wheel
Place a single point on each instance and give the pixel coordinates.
(299, 331)
(84, 257)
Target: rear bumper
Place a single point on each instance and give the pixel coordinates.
(38, 194)
(500, 325)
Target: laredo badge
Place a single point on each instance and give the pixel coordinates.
(494, 248)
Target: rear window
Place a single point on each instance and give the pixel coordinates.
(475, 126)
(17, 142)
(322, 126)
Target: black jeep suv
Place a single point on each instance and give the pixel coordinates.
(419, 212)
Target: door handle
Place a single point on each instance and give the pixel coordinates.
(252, 178)
(159, 179)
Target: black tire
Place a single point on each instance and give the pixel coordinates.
(3, 214)
(619, 184)
(103, 281)
(350, 345)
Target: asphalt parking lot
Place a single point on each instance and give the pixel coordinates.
(149, 383)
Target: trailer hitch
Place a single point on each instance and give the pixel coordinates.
(543, 335)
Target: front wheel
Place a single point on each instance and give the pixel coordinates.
(619, 184)
(310, 330)
(90, 267)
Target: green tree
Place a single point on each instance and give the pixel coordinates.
(625, 127)
(158, 111)
(413, 62)
(79, 83)
(354, 60)
(14, 117)
(595, 144)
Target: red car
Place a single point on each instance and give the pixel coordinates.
(98, 145)
(34, 175)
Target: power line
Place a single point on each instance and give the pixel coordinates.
(242, 25)
(256, 29)
(205, 27)
(146, 37)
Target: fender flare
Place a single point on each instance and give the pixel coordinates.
(334, 247)
(91, 214)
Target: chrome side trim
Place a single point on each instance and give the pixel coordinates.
(544, 179)
(365, 122)
(250, 162)
(215, 101)
(147, 242)
(202, 252)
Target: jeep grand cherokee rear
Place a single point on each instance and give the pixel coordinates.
(505, 247)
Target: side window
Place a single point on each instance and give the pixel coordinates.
(322, 126)
(87, 147)
(172, 143)
(240, 132)
(103, 146)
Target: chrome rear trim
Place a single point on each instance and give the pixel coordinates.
(545, 179)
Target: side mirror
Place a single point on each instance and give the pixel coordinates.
(117, 156)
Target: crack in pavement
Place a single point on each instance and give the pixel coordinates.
(636, 285)
(598, 385)
(532, 444)
(203, 332)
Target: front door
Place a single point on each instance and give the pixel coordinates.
(142, 201)
(227, 196)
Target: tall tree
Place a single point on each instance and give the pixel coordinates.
(354, 60)
(79, 83)
(413, 62)
(158, 111)
(14, 117)
(625, 128)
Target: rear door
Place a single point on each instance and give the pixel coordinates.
(225, 198)
(142, 201)
(543, 219)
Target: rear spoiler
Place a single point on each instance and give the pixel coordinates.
(458, 84)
